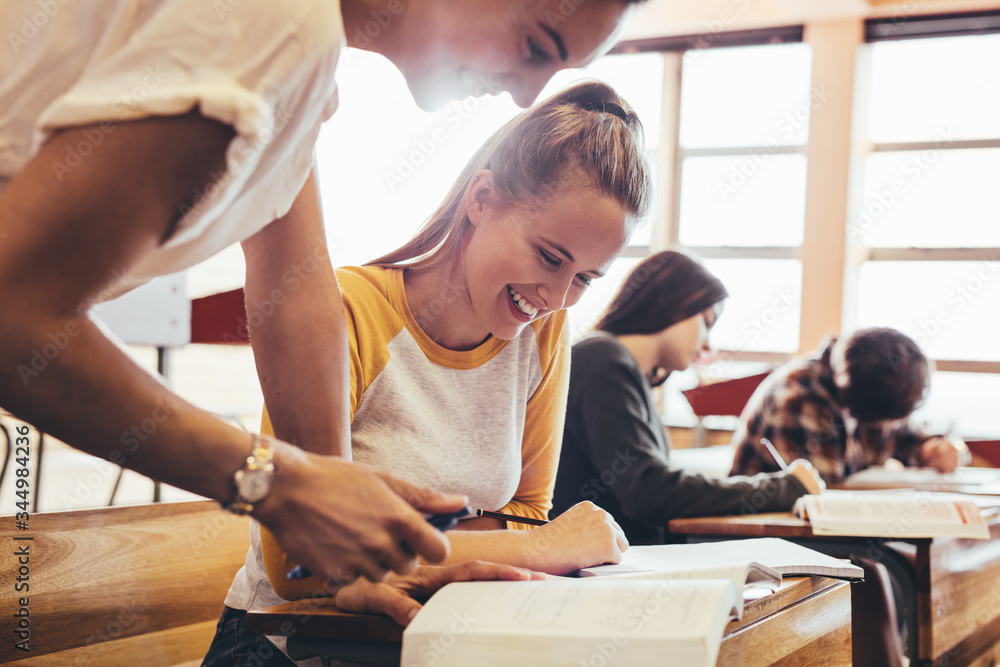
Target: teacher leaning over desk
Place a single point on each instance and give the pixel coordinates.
(140, 137)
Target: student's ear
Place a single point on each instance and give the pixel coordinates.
(477, 196)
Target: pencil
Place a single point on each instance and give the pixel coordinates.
(511, 517)
(774, 453)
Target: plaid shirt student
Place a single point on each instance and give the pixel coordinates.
(798, 409)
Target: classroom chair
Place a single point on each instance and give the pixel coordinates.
(723, 398)
(985, 453)
(217, 319)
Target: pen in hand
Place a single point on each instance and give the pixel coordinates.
(511, 517)
(774, 454)
(442, 522)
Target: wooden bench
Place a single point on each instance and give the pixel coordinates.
(122, 586)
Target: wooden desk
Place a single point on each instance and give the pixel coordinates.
(951, 586)
(805, 622)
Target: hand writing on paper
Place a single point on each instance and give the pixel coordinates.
(400, 596)
(582, 536)
(943, 454)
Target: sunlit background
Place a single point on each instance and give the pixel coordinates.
(738, 198)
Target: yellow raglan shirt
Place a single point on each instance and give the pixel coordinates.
(486, 422)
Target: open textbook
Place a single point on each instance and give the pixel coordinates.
(564, 622)
(741, 561)
(893, 514)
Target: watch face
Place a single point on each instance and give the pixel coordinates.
(254, 485)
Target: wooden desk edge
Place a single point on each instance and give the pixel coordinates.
(322, 619)
(774, 524)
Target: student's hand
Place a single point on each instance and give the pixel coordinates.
(399, 596)
(943, 454)
(341, 519)
(803, 470)
(582, 536)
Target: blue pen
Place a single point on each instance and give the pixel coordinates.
(442, 522)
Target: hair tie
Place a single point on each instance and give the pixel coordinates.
(605, 107)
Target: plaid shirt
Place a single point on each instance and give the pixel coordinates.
(797, 408)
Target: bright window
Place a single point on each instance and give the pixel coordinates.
(926, 89)
(744, 119)
(926, 231)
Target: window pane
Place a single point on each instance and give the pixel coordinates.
(747, 96)
(964, 402)
(589, 309)
(638, 77)
(643, 234)
(764, 306)
(951, 309)
(384, 164)
(930, 198)
(743, 200)
(221, 272)
(922, 89)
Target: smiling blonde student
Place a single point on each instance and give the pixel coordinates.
(459, 360)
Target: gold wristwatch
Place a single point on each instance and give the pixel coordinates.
(252, 482)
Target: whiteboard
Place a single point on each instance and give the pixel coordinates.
(157, 314)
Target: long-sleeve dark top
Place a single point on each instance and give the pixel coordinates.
(616, 453)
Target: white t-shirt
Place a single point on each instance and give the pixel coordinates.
(264, 67)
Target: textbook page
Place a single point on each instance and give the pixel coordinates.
(567, 622)
(742, 561)
(965, 480)
(897, 515)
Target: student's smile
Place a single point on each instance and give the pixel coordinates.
(522, 308)
(521, 267)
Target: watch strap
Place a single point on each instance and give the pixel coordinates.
(261, 458)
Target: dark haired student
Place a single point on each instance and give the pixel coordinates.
(844, 409)
(615, 450)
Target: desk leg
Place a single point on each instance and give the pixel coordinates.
(38, 470)
(367, 652)
(899, 568)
